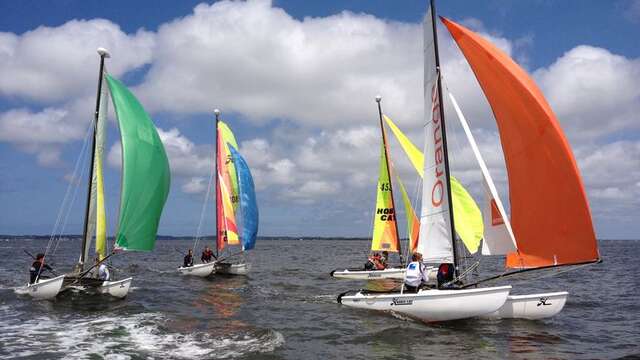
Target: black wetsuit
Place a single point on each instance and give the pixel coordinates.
(188, 261)
(206, 256)
(35, 269)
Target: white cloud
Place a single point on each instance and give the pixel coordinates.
(185, 158)
(51, 64)
(593, 92)
(258, 61)
(195, 185)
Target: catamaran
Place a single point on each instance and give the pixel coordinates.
(236, 207)
(541, 171)
(145, 186)
(385, 228)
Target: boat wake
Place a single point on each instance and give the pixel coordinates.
(139, 335)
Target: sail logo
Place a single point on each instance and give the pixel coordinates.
(386, 214)
(544, 301)
(399, 302)
(437, 191)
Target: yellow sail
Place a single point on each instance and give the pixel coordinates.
(228, 139)
(466, 213)
(385, 233)
(101, 216)
(413, 224)
(229, 217)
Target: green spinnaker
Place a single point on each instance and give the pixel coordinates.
(145, 172)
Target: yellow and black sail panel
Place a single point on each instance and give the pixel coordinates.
(385, 233)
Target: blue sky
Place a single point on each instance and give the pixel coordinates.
(295, 79)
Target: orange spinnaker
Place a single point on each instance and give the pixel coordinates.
(549, 211)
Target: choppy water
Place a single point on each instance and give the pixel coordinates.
(286, 309)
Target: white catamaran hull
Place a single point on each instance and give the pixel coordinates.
(357, 274)
(534, 306)
(391, 273)
(201, 270)
(44, 288)
(433, 305)
(233, 269)
(118, 289)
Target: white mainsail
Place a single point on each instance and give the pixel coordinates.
(498, 235)
(96, 222)
(435, 242)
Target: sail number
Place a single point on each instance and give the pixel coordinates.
(385, 187)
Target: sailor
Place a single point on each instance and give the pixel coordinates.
(103, 269)
(372, 262)
(416, 275)
(207, 255)
(384, 261)
(188, 259)
(38, 266)
(378, 262)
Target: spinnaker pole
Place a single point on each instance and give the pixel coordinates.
(444, 138)
(386, 159)
(104, 53)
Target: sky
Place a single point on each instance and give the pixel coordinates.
(296, 81)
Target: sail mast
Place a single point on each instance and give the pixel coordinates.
(444, 136)
(103, 55)
(217, 185)
(386, 159)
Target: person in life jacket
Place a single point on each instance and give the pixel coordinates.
(188, 259)
(378, 262)
(416, 275)
(37, 268)
(384, 260)
(372, 262)
(103, 269)
(445, 275)
(207, 255)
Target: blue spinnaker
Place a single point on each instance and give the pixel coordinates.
(248, 204)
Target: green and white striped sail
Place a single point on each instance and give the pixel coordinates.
(145, 172)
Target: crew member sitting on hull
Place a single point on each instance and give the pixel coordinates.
(188, 259)
(37, 267)
(384, 260)
(103, 269)
(416, 275)
(378, 262)
(373, 262)
(445, 276)
(207, 255)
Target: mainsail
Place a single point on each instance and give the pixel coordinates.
(385, 228)
(468, 216)
(96, 221)
(436, 230)
(550, 214)
(227, 197)
(248, 203)
(145, 172)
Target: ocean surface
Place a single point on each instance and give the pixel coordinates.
(286, 309)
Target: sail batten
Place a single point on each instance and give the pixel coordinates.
(550, 214)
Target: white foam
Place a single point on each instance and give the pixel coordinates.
(121, 337)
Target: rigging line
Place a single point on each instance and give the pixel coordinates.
(203, 210)
(66, 205)
(70, 204)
